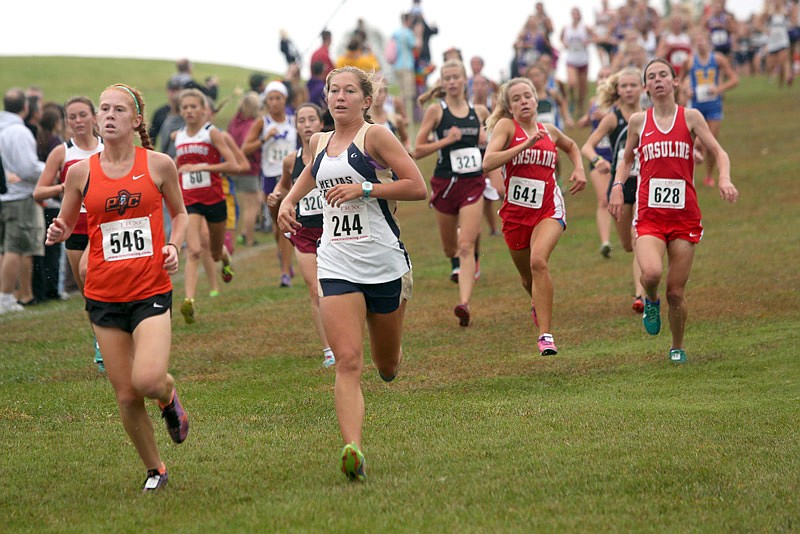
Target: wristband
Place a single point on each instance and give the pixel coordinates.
(593, 163)
(617, 183)
(177, 250)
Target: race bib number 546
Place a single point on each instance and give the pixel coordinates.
(127, 239)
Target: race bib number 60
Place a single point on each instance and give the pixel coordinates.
(196, 179)
(664, 193)
(348, 222)
(525, 192)
(127, 239)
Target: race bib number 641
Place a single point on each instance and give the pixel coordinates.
(127, 239)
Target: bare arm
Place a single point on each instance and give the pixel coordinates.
(241, 160)
(162, 167)
(252, 140)
(730, 76)
(616, 200)
(698, 126)
(302, 186)
(588, 148)
(61, 227)
(47, 187)
(285, 183)
(497, 153)
(429, 121)
(565, 143)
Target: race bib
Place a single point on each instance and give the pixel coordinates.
(634, 167)
(196, 179)
(604, 143)
(465, 160)
(348, 222)
(127, 239)
(665, 193)
(525, 192)
(703, 93)
(719, 37)
(549, 116)
(278, 150)
(311, 204)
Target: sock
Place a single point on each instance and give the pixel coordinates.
(455, 263)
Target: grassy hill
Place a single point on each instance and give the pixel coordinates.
(63, 77)
(478, 432)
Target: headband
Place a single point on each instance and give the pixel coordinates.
(120, 86)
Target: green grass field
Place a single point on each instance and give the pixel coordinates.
(478, 433)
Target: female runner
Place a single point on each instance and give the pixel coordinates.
(128, 289)
(668, 217)
(202, 154)
(308, 213)
(83, 143)
(533, 211)
(363, 269)
(458, 182)
(623, 91)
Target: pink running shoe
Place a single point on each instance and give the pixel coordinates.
(546, 345)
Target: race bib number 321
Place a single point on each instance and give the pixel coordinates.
(127, 239)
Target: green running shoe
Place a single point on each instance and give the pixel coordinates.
(98, 357)
(677, 356)
(652, 316)
(353, 463)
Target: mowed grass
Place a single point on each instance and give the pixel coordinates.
(478, 432)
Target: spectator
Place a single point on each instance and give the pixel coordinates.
(185, 80)
(316, 85)
(404, 63)
(21, 221)
(258, 82)
(159, 116)
(288, 49)
(321, 55)
(44, 280)
(356, 56)
(248, 185)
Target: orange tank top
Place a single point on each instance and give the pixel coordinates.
(126, 234)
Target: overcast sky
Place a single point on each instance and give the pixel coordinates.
(245, 33)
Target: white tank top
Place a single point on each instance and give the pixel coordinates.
(283, 143)
(577, 39)
(360, 238)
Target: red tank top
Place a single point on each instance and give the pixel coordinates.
(666, 183)
(531, 190)
(126, 234)
(199, 187)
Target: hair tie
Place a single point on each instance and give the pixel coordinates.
(136, 102)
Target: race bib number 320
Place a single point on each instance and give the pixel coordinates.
(664, 193)
(348, 222)
(311, 204)
(127, 239)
